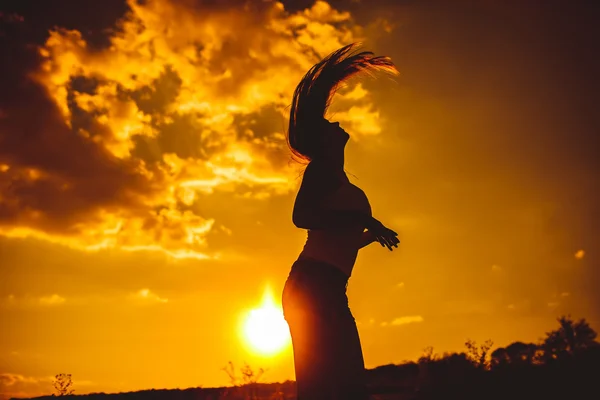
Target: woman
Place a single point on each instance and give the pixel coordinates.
(327, 353)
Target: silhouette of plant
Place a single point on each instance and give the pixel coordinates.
(62, 385)
(478, 355)
(244, 385)
(561, 366)
(571, 337)
(499, 357)
(522, 353)
(428, 355)
(249, 376)
(517, 353)
(278, 394)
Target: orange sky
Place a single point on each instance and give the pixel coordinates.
(146, 189)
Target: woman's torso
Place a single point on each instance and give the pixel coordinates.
(339, 247)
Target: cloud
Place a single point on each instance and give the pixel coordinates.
(556, 299)
(7, 379)
(524, 306)
(145, 296)
(20, 386)
(32, 301)
(407, 320)
(141, 296)
(184, 100)
(53, 300)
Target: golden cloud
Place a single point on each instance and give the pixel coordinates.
(146, 296)
(9, 379)
(52, 300)
(128, 140)
(32, 301)
(20, 386)
(407, 320)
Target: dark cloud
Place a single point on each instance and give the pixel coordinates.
(154, 98)
(264, 123)
(265, 129)
(94, 19)
(77, 176)
(56, 179)
(185, 135)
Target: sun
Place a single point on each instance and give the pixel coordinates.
(264, 328)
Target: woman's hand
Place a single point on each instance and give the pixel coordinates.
(385, 236)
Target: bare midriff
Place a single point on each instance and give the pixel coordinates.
(339, 247)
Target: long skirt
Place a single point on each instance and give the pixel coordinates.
(328, 357)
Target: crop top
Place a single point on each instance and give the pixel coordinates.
(339, 246)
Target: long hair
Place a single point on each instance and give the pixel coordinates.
(316, 89)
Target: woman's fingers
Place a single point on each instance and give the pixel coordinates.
(392, 242)
(389, 241)
(386, 237)
(384, 242)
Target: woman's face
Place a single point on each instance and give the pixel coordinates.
(334, 136)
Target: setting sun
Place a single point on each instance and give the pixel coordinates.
(264, 328)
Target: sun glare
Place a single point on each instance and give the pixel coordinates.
(264, 328)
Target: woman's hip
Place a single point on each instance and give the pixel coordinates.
(317, 288)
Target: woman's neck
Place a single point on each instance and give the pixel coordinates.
(336, 168)
(333, 164)
(332, 160)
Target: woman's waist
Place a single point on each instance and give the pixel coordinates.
(348, 238)
(318, 271)
(342, 260)
(340, 250)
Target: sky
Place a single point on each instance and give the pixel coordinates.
(146, 188)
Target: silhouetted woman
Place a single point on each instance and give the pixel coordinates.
(327, 353)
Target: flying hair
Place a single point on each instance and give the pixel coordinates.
(313, 94)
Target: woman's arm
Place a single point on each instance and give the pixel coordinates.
(366, 239)
(310, 213)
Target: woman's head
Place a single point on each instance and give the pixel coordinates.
(310, 135)
(328, 140)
